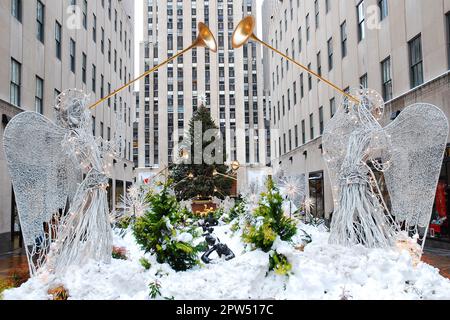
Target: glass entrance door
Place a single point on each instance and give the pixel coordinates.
(16, 231)
(316, 193)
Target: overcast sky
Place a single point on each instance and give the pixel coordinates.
(138, 30)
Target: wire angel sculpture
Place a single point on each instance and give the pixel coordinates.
(63, 222)
(408, 152)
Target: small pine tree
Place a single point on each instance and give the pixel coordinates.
(270, 221)
(155, 232)
(203, 182)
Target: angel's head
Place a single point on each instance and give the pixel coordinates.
(71, 109)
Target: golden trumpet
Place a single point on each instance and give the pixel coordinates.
(205, 39)
(244, 32)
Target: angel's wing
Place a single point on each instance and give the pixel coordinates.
(43, 176)
(335, 140)
(418, 141)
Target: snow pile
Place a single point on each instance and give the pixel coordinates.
(321, 271)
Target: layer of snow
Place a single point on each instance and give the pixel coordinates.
(321, 271)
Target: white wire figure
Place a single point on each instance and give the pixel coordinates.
(134, 203)
(408, 151)
(293, 189)
(63, 223)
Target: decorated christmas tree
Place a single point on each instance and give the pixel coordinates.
(201, 173)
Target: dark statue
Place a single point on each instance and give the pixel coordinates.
(214, 243)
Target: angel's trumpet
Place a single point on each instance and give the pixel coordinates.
(244, 33)
(205, 39)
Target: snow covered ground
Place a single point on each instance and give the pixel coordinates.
(321, 271)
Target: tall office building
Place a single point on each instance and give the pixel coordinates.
(398, 48)
(267, 14)
(230, 82)
(48, 46)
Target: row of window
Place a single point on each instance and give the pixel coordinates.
(288, 144)
(16, 11)
(416, 70)
(360, 12)
(416, 76)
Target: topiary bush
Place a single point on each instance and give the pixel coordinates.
(145, 263)
(238, 210)
(160, 231)
(269, 221)
(279, 264)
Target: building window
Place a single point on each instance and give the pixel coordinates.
(321, 126)
(94, 77)
(330, 54)
(102, 86)
(307, 28)
(279, 146)
(285, 20)
(316, 12)
(109, 51)
(346, 90)
(344, 39)
(295, 92)
(361, 21)
(39, 96)
(84, 68)
(102, 42)
(279, 113)
(291, 9)
(302, 86)
(289, 99)
(327, 6)
(281, 32)
(94, 28)
(115, 60)
(85, 4)
(303, 132)
(72, 55)
(299, 39)
(40, 21)
(319, 64)
(415, 61)
(16, 9)
(58, 39)
(384, 11)
(363, 81)
(115, 20)
(109, 91)
(332, 107)
(386, 79)
(290, 140)
(311, 126)
(309, 78)
(447, 19)
(296, 135)
(93, 126)
(16, 82)
(102, 129)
